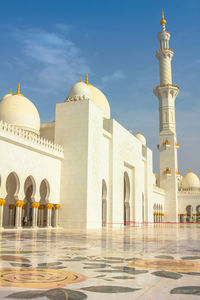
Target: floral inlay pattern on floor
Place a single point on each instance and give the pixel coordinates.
(132, 263)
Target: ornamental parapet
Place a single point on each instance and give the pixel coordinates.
(77, 98)
(31, 137)
(165, 49)
(35, 204)
(49, 206)
(57, 206)
(2, 202)
(19, 203)
(167, 85)
(163, 88)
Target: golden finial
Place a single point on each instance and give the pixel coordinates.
(163, 21)
(81, 79)
(10, 91)
(190, 170)
(18, 89)
(86, 79)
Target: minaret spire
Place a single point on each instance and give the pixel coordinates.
(163, 21)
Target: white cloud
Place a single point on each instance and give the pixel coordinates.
(116, 75)
(55, 60)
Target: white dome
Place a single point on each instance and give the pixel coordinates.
(82, 90)
(15, 109)
(141, 138)
(190, 181)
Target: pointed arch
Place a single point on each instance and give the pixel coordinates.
(126, 199)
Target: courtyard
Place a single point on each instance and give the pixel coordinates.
(161, 261)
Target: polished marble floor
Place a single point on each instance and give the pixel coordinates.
(148, 262)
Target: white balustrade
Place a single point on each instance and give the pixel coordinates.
(31, 137)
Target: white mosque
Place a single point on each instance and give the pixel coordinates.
(84, 169)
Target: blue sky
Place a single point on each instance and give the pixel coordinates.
(47, 45)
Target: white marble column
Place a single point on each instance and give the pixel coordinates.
(2, 202)
(56, 213)
(35, 206)
(49, 207)
(18, 214)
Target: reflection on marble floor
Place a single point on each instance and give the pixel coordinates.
(160, 262)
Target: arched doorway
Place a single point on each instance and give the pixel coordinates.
(29, 190)
(44, 219)
(104, 203)
(12, 189)
(189, 212)
(126, 199)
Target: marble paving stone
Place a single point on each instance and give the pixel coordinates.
(147, 262)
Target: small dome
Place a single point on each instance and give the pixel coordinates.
(15, 109)
(190, 181)
(82, 90)
(141, 138)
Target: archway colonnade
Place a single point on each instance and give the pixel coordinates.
(191, 215)
(32, 210)
(158, 213)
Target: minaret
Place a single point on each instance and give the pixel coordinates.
(166, 93)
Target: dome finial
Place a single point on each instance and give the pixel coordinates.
(163, 21)
(18, 89)
(81, 79)
(10, 91)
(86, 78)
(190, 170)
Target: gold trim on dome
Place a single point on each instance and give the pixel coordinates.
(86, 79)
(18, 90)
